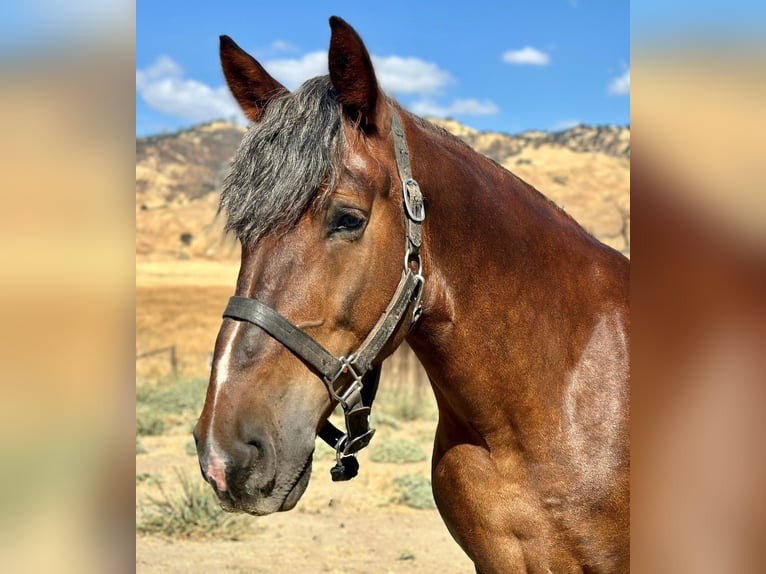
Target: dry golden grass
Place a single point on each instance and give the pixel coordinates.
(197, 272)
(181, 315)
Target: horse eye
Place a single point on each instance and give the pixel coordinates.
(348, 221)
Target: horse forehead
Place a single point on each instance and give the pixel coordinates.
(362, 172)
(273, 258)
(357, 162)
(368, 159)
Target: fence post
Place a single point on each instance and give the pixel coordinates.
(173, 361)
(173, 357)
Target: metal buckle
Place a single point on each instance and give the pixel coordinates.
(345, 367)
(347, 446)
(416, 213)
(340, 450)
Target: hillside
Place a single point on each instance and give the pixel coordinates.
(585, 170)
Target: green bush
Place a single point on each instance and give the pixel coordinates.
(381, 419)
(194, 513)
(159, 406)
(414, 491)
(173, 397)
(149, 423)
(397, 451)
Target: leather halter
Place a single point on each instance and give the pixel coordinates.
(357, 396)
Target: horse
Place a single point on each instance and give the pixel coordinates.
(363, 226)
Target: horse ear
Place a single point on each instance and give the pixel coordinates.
(352, 74)
(250, 84)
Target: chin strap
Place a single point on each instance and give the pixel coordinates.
(353, 381)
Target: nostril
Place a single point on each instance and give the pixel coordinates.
(256, 448)
(256, 445)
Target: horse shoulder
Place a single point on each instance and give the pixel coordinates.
(496, 519)
(596, 398)
(595, 427)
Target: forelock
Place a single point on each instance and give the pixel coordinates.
(283, 161)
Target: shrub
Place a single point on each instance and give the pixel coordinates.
(414, 491)
(381, 419)
(194, 513)
(159, 406)
(397, 451)
(175, 397)
(149, 423)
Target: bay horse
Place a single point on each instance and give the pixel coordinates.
(363, 226)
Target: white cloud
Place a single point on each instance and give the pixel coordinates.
(526, 56)
(162, 67)
(620, 86)
(464, 107)
(396, 74)
(275, 48)
(164, 88)
(410, 75)
(282, 46)
(292, 72)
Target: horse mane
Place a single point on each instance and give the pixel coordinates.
(285, 162)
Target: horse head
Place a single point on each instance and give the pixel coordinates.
(314, 196)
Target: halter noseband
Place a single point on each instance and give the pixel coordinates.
(355, 398)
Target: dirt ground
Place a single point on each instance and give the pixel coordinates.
(336, 527)
(357, 526)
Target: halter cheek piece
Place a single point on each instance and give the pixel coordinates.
(353, 380)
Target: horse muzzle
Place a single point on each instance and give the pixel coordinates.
(247, 476)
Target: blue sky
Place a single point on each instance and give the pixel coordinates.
(502, 66)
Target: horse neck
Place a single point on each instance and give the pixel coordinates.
(514, 286)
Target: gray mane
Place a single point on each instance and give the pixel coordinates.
(283, 161)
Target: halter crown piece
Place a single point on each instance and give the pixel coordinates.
(352, 381)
